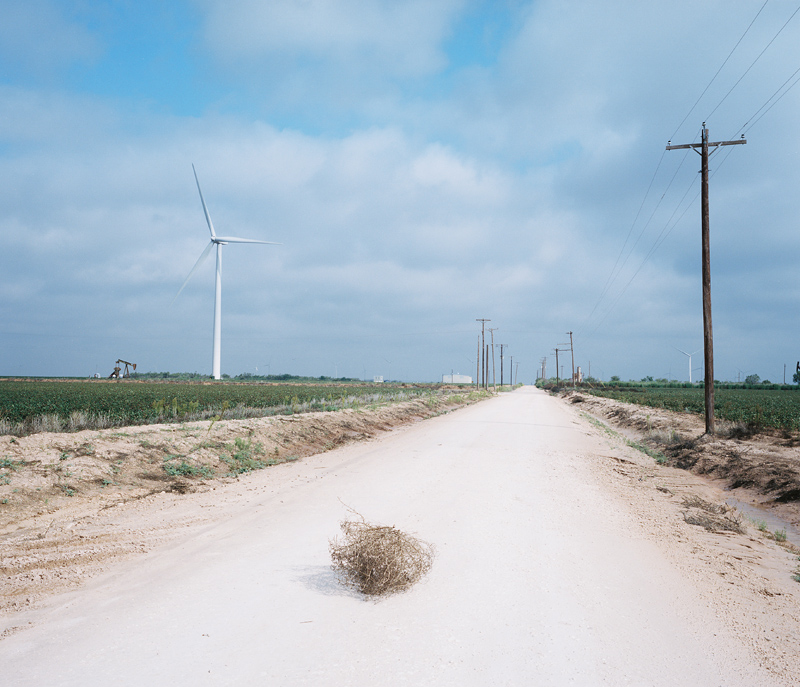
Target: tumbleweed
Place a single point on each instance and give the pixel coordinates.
(378, 560)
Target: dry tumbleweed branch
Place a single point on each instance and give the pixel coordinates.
(378, 560)
(715, 517)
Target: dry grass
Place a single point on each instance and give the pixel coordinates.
(694, 501)
(378, 560)
(715, 517)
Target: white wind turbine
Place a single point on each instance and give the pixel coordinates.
(688, 355)
(217, 241)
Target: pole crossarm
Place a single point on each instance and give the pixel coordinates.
(710, 145)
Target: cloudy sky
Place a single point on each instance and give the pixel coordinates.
(423, 162)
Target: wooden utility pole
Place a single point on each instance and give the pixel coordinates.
(483, 322)
(556, 365)
(502, 346)
(572, 353)
(492, 330)
(708, 334)
(478, 364)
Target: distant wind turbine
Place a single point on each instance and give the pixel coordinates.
(689, 355)
(217, 241)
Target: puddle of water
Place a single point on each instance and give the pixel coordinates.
(761, 515)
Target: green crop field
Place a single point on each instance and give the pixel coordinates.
(39, 405)
(778, 408)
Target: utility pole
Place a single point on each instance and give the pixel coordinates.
(492, 330)
(483, 322)
(516, 373)
(544, 369)
(572, 353)
(556, 365)
(511, 373)
(560, 350)
(478, 364)
(708, 335)
(501, 362)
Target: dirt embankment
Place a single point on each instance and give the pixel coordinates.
(758, 467)
(71, 503)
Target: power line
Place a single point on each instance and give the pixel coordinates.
(606, 289)
(713, 78)
(630, 231)
(666, 230)
(745, 128)
(752, 64)
(662, 236)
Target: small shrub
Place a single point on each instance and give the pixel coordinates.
(184, 469)
(243, 456)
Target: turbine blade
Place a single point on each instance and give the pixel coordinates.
(236, 239)
(200, 260)
(202, 200)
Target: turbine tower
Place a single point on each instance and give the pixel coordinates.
(218, 242)
(689, 355)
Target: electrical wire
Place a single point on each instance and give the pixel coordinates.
(613, 276)
(609, 281)
(657, 244)
(664, 234)
(752, 64)
(667, 229)
(745, 128)
(713, 78)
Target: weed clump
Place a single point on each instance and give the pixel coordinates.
(244, 456)
(378, 560)
(715, 517)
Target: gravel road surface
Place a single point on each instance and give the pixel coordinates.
(543, 576)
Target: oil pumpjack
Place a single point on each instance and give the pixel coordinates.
(117, 369)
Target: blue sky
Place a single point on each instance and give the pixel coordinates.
(423, 163)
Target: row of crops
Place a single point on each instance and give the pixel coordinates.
(757, 407)
(38, 405)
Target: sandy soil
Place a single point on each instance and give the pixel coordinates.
(758, 468)
(564, 556)
(71, 504)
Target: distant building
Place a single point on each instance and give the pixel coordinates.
(378, 379)
(456, 379)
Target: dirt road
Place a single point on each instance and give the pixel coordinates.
(562, 558)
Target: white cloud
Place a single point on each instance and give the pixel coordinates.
(37, 38)
(506, 193)
(397, 37)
